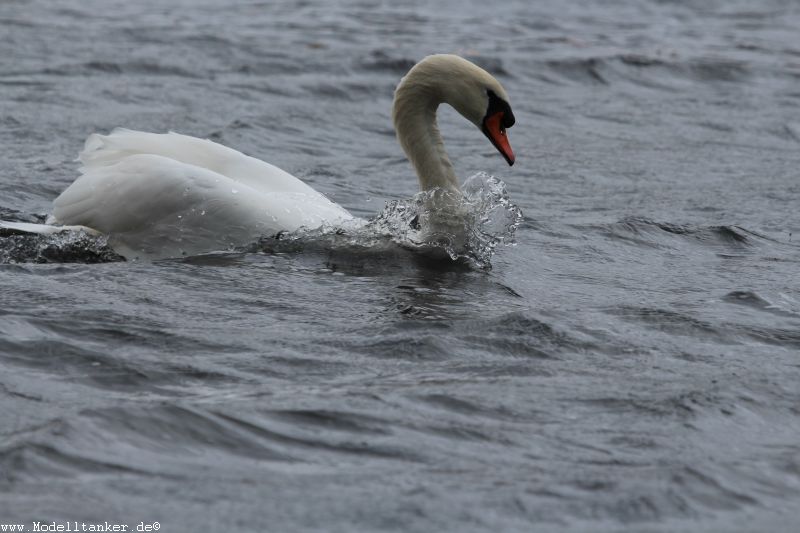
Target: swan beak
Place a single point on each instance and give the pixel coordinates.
(494, 128)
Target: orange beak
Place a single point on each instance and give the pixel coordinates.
(494, 129)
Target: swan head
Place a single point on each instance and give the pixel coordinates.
(470, 90)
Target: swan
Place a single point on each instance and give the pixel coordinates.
(166, 195)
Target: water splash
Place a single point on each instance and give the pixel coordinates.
(465, 226)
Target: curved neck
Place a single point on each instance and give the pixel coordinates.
(414, 115)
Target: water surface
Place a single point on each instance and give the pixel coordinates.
(632, 364)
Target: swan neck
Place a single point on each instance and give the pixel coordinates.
(414, 114)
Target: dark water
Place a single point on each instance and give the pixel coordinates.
(632, 364)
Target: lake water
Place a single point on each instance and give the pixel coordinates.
(632, 363)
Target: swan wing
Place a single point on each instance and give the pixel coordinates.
(102, 150)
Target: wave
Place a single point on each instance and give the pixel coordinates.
(655, 234)
(640, 69)
(66, 247)
(134, 439)
(155, 67)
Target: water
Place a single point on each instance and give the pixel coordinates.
(631, 364)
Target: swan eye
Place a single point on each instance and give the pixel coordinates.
(498, 105)
(498, 118)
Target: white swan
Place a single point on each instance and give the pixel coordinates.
(166, 195)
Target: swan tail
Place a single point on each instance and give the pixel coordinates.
(25, 228)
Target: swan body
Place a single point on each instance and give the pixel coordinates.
(162, 195)
(166, 195)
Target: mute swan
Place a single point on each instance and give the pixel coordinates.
(166, 195)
